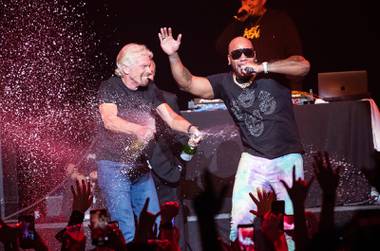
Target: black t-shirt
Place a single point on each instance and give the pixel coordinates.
(264, 114)
(275, 36)
(134, 106)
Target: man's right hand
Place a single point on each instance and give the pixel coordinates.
(168, 44)
(145, 133)
(196, 135)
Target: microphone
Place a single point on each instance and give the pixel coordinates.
(241, 13)
(249, 70)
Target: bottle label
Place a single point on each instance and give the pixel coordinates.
(186, 157)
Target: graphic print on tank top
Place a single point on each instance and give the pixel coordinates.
(251, 107)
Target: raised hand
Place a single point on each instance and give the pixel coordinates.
(299, 190)
(145, 224)
(82, 196)
(298, 193)
(263, 202)
(169, 210)
(168, 44)
(327, 178)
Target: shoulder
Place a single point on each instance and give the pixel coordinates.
(112, 82)
(220, 77)
(277, 13)
(279, 17)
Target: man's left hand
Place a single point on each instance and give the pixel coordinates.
(168, 44)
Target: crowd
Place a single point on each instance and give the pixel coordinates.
(310, 232)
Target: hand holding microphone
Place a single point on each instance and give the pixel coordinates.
(242, 14)
(256, 68)
(249, 70)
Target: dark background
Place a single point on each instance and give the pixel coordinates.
(336, 35)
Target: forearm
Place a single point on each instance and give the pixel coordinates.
(300, 228)
(180, 124)
(172, 235)
(294, 66)
(180, 73)
(76, 217)
(326, 223)
(119, 125)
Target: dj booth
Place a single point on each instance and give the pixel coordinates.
(343, 129)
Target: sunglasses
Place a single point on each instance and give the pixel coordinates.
(248, 52)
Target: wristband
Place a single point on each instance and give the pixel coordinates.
(265, 67)
(188, 129)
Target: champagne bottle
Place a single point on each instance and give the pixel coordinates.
(189, 149)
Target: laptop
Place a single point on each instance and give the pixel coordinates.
(344, 85)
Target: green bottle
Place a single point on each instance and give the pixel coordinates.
(189, 150)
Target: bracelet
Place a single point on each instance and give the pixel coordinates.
(188, 129)
(265, 67)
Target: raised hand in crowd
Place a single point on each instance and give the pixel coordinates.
(169, 232)
(146, 228)
(298, 193)
(299, 189)
(72, 237)
(328, 179)
(82, 196)
(263, 202)
(268, 233)
(169, 210)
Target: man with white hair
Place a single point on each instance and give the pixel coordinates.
(128, 105)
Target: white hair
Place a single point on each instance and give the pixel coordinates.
(128, 55)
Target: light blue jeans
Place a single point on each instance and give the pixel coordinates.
(255, 172)
(125, 198)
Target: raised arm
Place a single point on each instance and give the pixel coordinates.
(198, 86)
(293, 66)
(296, 66)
